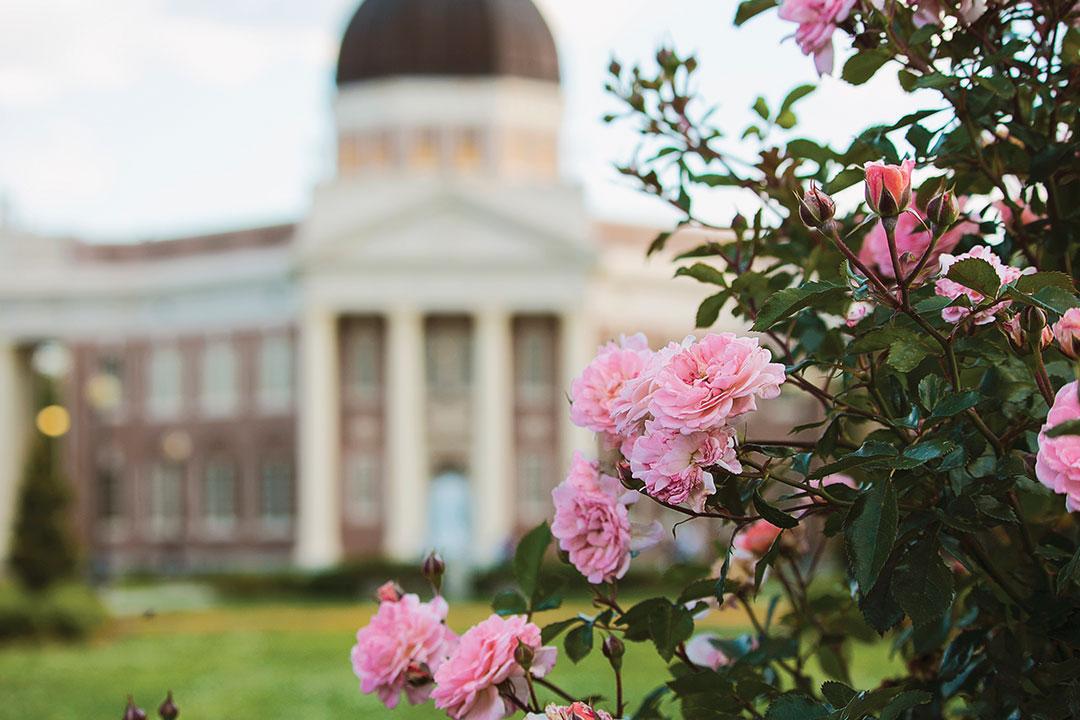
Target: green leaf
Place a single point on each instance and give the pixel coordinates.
(926, 451)
(527, 558)
(871, 453)
(750, 8)
(904, 702)
(997, 84)
(552, 631)
(795, 706)
(509, 602)
(789, 301)
(703, 273)
(710, 309)
(796, 95)
(773, 515)
(845, 179)
(761, 107)
(954, 403)
(871, 530)
(923, 584)
(861, 67)
(658, 243)
(1069, 574)
(579, 642)
(977, 274)
(1037, 281)
(905, 356)
(868, 702)
(670, 625)
(837, 693)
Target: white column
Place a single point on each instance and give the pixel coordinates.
(493, 436)
(406, 430)
(318, 531)
(14, 421)
(578, 343)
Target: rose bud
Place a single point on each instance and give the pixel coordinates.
(943, 210)
(433, 569)
(168, 710)
(1015, 333)
(133, 711)
(613, 650)
(389, 591)
(1067, 333)
(523, 655)
(816, 208)
(857, 312)
(888, 187)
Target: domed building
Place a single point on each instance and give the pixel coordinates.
(387, 375)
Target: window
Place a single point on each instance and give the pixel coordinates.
(275, 492)
(166, 499)
(361, 489)
(362, 361)
(219, 375)
(449, 356)
(110, 493)
(534, 485)
(426, 150)
(276, 372)
(535, 359)
(105, 389)
(219, 494)
(165, 381)
(467, 150)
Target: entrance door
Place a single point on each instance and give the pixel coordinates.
(450, 528)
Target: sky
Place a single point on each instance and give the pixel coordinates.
(124, 120)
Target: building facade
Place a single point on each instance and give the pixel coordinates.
(388, 374)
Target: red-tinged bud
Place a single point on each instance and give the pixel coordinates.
(816, 208)
(433, 569)
(524, 655)
(389, 591)
(133, 711)
(943, 210)
(418, 674)
(1067, 333)
(614, 650)
(888, 187)
(168, 710)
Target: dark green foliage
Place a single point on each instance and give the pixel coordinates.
(43, 550)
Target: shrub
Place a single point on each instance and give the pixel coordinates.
(66, 611)
(934, 324)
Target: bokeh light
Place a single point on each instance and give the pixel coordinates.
(53, 420)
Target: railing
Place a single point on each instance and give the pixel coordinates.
(167, 710)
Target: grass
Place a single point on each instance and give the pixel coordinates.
(270, 662)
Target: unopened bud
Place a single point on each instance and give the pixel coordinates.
(389, 591)
(614, 649)
(738, 223)
(433, 569)
(418, 674)
(523, 655)
(1035, 324)
(133, 711)
(168, 710)
(943, 210)
(816, 208)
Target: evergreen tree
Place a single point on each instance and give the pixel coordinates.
(43, 548)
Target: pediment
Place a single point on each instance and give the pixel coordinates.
(443, 230)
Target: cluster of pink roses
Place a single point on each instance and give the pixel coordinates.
(953, 290)
(408, 648)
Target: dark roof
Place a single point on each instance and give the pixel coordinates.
(249, 238)
(387, 38)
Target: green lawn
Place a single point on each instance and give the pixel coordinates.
(265, 663)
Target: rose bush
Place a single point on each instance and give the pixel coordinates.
(932, 319)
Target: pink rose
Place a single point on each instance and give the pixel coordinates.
(599, 384)
(575, 711)
(952, 289)
(817, 20)
(405, 642)
(757, 538)
(704, 652)
(1067, 333)
(1057, 465)
(673, 465)
(631, 408)
(704, 385)
(467, 684)
(389, 591)
(857, 312)
(888, 187)
(592, 523)
(912, 239)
